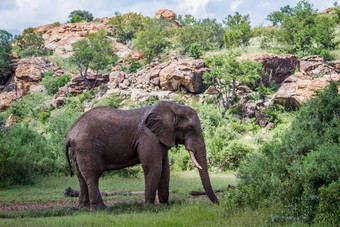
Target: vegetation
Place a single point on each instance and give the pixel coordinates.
(96, 52)
(125, 27)
(80, 16)
(225, 71)
(152, 40)
(5, 51)
(198, 35)
(300, 168)
(31, 43)
(52, 84)
(238, 31)
(302, 31)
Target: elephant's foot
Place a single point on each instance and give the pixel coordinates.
(100, 206)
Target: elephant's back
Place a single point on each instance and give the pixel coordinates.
(102, 121)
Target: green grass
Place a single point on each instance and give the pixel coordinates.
(184, 210)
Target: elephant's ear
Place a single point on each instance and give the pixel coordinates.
(161, 121)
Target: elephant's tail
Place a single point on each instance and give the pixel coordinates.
(67, 145)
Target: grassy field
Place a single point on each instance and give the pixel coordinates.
(184, 210)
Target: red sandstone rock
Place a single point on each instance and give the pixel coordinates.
(165, 14)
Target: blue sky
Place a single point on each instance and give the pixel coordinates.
(16, 15)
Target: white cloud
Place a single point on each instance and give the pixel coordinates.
(235, 5)
(197, 8)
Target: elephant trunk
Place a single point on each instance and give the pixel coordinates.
(202, 160)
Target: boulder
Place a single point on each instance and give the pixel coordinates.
(77, 84)
(30, 71)
(11, 120)
(248, 109)
(6, 98)
(165, 14)
(275, 66)
(173, 75)
(301, 86)
(183, 73)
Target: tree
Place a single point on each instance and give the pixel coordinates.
(83, 14)
(5, 51)
(96, 52)
(126, 26)
(152, 40)
(206, 33)
(31, 43)
(238, 31)
(77, 19)
(227, 73)
(275, 17)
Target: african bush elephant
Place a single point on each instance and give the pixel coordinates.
(105, 138)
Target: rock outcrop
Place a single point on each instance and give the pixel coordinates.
(315, 74)
(26, 78)
(178, 74)
(165, 14)
(77, 84)
(30, 72)
(60, 38)
(275, 66)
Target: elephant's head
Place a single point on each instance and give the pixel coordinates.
(177, 124)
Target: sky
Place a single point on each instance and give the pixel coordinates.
(16, 15)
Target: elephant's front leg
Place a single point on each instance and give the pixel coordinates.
(151, 159)
(163, 187)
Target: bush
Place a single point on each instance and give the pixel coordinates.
(328, 212)
(29, 105)
(292, 169)
(24, 155)
(113, 100)
(195, 50)
(56, 133)
(52, 84)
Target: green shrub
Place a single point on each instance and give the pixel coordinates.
(56, 24)
(195, 50)
(29, 105)
(56, 131)
(113, 100)
(134, 66)
(52, 84)
(24, 155)
(328, 212)
(292, 168)
(44, 116)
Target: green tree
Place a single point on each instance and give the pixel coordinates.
(31, 43)
(83, 14)
(206, 33)
(227, 73)
(76, 19)
(277, 17)
(238, 30)
(152, 40)
(125, 27)
(5, 51)
(96, 52)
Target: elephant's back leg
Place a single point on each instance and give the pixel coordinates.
(91, 166)
(84, 201)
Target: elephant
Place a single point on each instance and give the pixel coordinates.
(105, 138)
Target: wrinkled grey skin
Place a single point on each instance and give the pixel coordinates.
(105, 138)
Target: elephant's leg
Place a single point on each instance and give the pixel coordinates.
(84, 202)
(96, 201)
(163, 187)
(149, 153)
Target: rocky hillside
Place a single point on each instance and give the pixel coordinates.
(298, 78)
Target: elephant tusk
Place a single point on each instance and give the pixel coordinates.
(192, 156)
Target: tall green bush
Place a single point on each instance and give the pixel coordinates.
(24, 155)
(292, 169)
(52, 84)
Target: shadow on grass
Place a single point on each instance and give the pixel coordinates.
(119, 208)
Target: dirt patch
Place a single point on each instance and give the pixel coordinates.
(51, 205)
